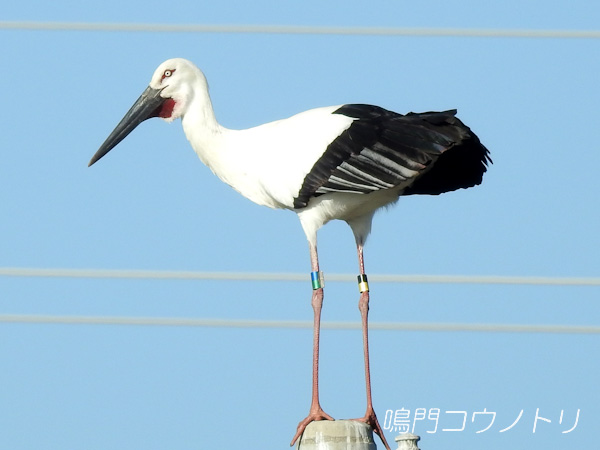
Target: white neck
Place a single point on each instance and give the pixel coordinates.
(200, 125)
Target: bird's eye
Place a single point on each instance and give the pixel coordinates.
(167, 73)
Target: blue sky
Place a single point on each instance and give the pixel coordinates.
(152, 205)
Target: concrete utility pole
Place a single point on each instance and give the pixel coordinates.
(337, 435)
(347, 435)
(407, 441)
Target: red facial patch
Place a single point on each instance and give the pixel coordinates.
(166, 109)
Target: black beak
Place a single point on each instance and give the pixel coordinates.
(145, 107)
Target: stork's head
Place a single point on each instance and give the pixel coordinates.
(168, 95)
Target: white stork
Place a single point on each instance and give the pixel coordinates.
(339, 162)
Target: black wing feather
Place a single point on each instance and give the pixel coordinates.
(382, 149)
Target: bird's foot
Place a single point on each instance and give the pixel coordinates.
(371, 419)
(316, 413)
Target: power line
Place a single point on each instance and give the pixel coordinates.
(264, 276)
(297, 324)
(300, 29)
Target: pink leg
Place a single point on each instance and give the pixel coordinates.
(316, 412)
(363, 306)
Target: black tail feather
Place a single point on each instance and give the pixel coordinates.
(461, 166)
